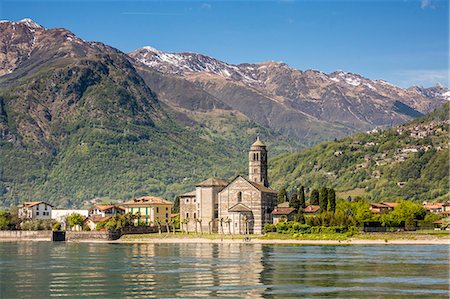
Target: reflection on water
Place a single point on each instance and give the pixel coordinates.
(45, 270)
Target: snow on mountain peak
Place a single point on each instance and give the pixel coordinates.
(29, 23)
(151, 49)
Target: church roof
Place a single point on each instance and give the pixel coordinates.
(255, 185)
(239, 207)
(258, 143)
(213, 182)
(262, 188)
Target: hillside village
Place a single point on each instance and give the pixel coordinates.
(381, 164)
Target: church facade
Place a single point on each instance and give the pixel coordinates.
(240, 206)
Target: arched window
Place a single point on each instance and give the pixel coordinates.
(257, 156)
(239, 196)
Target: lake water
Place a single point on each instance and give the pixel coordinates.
(74, 270)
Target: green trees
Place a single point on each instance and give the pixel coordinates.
(323, 199)
(301, 197)
(5, 220)
(359, 210)
(294, 201)
(314, 197)
(118, 222)
(282, 196)
(75, 219)
(331, 196)
(405, 213)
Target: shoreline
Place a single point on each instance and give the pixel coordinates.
(281, 242)
(252, 241)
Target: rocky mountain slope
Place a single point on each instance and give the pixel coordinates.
(81, 119)
(309, 105)
(77, 121)
(410, 162)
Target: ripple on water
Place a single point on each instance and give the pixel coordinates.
(44, 270)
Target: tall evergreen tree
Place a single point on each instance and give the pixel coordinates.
(301, 197)
(323, 199)
(314, 197)
(282, 196)
(294, 201)
(331, 200)
(300, 217)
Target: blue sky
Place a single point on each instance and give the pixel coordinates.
(404, 42)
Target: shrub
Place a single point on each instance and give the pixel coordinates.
(268, 228)
(57, 227)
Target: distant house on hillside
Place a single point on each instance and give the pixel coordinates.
(149, 209)
(35, 210)
(106, 210)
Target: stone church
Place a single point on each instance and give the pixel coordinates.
(242, 205)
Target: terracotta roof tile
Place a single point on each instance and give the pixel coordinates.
(97, 218)
(311, 209)
(33, 203)
(148, 200)
(283, 211)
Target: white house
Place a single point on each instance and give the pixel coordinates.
(35, 210)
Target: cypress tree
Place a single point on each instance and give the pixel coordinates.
(282, 196)
(323, 199)
(300, 217)
(301, 197)
(314, 197)
(331, 200)
(294, 202)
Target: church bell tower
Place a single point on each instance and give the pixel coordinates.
(257, 163)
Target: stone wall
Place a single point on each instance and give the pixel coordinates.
(92, 235)
(25, 235)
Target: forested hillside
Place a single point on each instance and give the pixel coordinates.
(410, 162)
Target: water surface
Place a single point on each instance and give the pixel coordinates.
(82, 270)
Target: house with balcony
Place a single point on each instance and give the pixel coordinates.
(149, 209)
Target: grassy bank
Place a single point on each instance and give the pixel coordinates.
(416, 235)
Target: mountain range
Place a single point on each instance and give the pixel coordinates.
(82, 119)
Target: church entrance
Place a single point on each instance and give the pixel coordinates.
(243, 222)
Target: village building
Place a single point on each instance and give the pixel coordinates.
(149, 209)
(384, 207)
(311, 210)
(283, 214)
(238, 206)
(35, 210)
(106, 210)
(93, 220)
